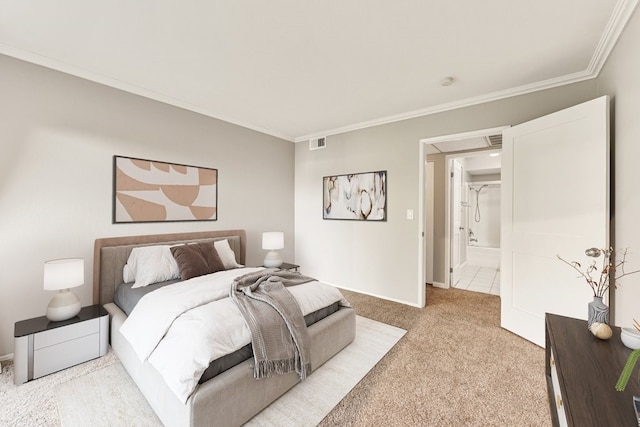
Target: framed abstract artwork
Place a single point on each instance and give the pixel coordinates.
(357, 196)
(152, 191)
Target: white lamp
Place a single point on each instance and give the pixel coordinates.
(60, 275)
(272, 241)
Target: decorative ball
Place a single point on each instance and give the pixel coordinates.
(601, 330)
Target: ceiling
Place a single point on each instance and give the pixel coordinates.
(301, 69)
(482, 163)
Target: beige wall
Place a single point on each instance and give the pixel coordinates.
(58, 135)
(382, 258)
(620, 79)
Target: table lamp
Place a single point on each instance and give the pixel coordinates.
(272, 241)
(60, 275)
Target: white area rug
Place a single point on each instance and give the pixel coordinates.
(34, 403)
(311, 400)
(109, 396)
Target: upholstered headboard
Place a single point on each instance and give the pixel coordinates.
(110, 254)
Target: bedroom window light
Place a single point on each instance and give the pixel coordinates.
(272, 241)
(60, 275)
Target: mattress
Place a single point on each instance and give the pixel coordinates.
(126, 297)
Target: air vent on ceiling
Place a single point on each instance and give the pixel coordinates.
(495, 140)
(317, 143)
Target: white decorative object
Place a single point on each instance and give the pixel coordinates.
(272, 241)
(630, 338)
(60, 275)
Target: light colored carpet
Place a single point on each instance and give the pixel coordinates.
(108, 396)
(455, 367)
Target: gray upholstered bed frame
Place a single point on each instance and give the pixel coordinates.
(231, 398)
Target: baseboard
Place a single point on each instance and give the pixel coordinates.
(439, 285)
(373, 295)
(6, 357)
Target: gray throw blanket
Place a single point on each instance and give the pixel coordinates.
(279, 334)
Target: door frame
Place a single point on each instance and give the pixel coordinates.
(451, 162)
(423, 235)
(429, 223)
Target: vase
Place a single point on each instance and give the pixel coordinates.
(598, 312)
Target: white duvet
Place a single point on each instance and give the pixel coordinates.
(182, 327)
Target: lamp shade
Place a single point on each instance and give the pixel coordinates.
(272, 240)
(63, 273)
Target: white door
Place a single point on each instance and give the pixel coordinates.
(457, 230)
(555, 192)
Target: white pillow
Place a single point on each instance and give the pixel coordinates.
(150, 264)
(128, 275)
(226, 254)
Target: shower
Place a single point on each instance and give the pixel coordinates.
(477, 216)
(483, 214)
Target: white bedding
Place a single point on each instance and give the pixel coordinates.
(182, 327)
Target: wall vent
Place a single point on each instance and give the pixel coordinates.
(318, 143)
(495, 140)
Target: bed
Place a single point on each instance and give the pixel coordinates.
(231, 397)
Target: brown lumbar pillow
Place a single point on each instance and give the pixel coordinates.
(197, 259)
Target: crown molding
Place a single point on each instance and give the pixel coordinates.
(617, 22)
(468, 102)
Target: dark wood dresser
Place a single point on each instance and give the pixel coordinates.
(582, 372)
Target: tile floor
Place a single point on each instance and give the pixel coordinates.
(479, 279)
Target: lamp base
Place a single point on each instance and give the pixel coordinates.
(64, 305)
(272, 259)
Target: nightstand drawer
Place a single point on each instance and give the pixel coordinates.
(67, 333)
(60, 356)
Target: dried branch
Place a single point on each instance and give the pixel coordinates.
(607, 271)
(576, 266)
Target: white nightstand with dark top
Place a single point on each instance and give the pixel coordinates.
(42, 347)
(291, 267)
(287, 266)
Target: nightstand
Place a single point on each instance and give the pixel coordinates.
(42, 347)
(287, 266)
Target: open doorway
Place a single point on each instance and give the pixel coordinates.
(438, 243)
(474, 225)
